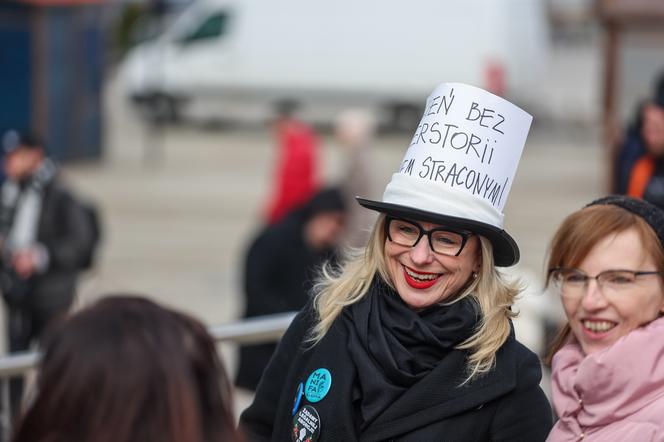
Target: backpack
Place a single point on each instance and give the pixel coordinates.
(93, 219)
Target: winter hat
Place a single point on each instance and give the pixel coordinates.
(659, 90)
(13, 139)
(459, 167)
(330, 199)
(650, 213)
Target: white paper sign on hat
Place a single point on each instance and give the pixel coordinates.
(460, 165)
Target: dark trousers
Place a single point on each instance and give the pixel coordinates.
(25, 325)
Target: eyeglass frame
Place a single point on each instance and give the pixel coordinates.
(465, 234)
(596, 277)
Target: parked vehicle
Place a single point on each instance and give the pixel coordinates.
(238, 58)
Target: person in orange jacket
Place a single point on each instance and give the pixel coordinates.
(646, 176)
(648, 171)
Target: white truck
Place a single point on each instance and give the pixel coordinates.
(239, 58)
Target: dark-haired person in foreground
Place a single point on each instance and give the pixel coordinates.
(127, 370)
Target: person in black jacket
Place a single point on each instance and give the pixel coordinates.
(411, 339)
(281, 266)
(44, 237)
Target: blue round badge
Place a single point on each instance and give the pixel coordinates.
(298, 398)
(318, 384)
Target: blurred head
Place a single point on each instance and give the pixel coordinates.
(324, 229)
(354, 128)
(422, 275)
(284, 112)
(324, 219)
(126, 369)
(23, 154)
(652, 129)
(611, 243)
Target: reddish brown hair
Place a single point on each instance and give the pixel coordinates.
(583, 230)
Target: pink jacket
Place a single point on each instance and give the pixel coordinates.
(614, 395)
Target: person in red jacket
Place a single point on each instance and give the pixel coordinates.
(296, 175)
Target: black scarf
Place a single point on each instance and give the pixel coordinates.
(393, 346)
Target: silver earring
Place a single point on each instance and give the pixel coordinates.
(474, 275)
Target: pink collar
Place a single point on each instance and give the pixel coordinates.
(611, 384)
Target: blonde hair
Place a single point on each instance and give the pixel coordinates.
(345, 285)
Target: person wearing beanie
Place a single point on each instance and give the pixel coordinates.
(411, 339)
(280, 267)
(606, 262)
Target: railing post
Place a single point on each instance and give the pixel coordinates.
(6, 412)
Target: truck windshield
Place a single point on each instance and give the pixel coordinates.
(213, 26)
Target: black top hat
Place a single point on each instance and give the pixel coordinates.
(463, 190)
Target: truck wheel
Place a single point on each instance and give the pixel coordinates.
(163, 109)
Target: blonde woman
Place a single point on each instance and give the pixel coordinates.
(410, 339)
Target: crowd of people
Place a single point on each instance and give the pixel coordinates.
(404, 330)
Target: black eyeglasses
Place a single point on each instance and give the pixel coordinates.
(442, 240)
(573, 283)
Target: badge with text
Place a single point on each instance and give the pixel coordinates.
(306, 425)
(298, 398)
(318, 384)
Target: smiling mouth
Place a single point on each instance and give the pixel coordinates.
(420, 280)
(598, 326)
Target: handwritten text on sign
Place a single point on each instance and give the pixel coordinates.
(468, 139)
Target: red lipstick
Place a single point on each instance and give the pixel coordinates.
(419, 284)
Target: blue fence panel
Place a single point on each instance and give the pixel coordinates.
(68, 65)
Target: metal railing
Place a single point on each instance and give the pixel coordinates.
(249, 331)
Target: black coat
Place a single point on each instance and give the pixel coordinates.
(63, 229)
(279, 272)
(504, 405)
